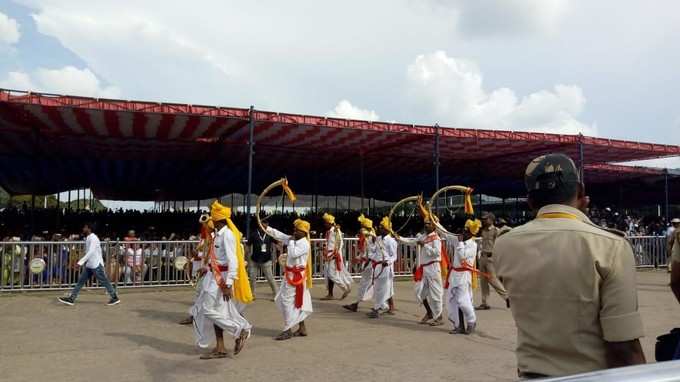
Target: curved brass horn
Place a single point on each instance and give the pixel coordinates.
(413, 198)
(283, 182)
(467, 191)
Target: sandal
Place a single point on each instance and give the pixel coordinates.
(284, 336)
(241, 342)
(214, 355)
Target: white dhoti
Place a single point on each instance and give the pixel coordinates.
(430, 288)
(210, 309)
(365, 291)
(285, 301)
(383, 286)
(460, 297)
(341, 277)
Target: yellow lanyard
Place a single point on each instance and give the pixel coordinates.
(557, 215)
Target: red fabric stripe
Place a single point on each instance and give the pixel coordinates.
(112, 123)
(84, 121)
(165, 125)
(211, 131)
(189, 127)
(55, 117)
(139, 121)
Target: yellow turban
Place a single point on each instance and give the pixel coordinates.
(473, 226)
(302, 225)
(386, 223)
(219, 212)
(328, 218)
(365, 222)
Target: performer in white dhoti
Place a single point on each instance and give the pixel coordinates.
(459, 282)
(428, 273)
(200, 261)
(294, 300)
(225, 289)
(335, 271)
(366, 247)
(382, 263)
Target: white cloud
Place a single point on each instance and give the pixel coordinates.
(67, 80)
(451, 89)
(9, 30)
(506, 17)
(670, 163)
(344, 109)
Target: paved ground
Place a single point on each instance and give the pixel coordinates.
(139, 340)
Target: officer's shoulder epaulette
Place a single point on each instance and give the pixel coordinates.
(610, 230)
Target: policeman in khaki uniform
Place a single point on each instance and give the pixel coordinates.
(571, 283)
(489, 234)
(675, 260)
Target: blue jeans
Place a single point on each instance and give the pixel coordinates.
(101, 277)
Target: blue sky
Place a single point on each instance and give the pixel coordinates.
(605, 68)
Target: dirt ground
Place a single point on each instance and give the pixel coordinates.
(140, 340)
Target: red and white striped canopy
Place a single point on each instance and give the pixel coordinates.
(153, 151)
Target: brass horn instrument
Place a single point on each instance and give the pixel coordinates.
(467, 191)
(283, 182)
(413, 198)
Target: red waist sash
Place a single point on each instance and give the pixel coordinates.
(295, 276)
(465, 267)
(334, 255)
(418, 274)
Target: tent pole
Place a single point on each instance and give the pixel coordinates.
(665, 176)
(361, 171)
(436, 157)
(580, 162)
(251, 153)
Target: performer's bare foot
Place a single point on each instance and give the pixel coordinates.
(187, 321)
(286, 335)
(241, 341)
(483, 306)
(425, 319)
(345, 294)
(373, 314)
(302, 330)
(327, 297)
(352, 307)
(391, 312)
(437, 321)
(458, 330)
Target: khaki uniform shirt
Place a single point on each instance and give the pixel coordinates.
(489, 236)
(675, 251)
(572, 287)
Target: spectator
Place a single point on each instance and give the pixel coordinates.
(260, 249)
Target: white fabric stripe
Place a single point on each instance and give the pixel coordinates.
(202, 126)
(153, 120)
(97, 119)
(178, 125)
(125, 123)
(69, 118)
(37, 111)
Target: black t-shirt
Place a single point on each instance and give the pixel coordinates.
(259, 241)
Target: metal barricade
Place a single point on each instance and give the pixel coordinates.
(151, 263)
(650, 251)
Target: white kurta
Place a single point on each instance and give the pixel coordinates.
(430, 287)
(210, 308)
(298, 250)
(383, 273)
(459, 293)
(334, 243)
(365, 290)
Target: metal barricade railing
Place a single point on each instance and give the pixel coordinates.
(650, 251)
(151, 263)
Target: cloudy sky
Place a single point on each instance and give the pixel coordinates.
(606, 68)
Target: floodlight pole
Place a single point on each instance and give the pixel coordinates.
(251, 153)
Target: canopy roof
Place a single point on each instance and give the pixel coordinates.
(135, 150)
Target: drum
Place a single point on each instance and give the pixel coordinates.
(37, 265)
(181, 262)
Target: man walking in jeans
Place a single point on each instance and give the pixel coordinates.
(94, 265)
